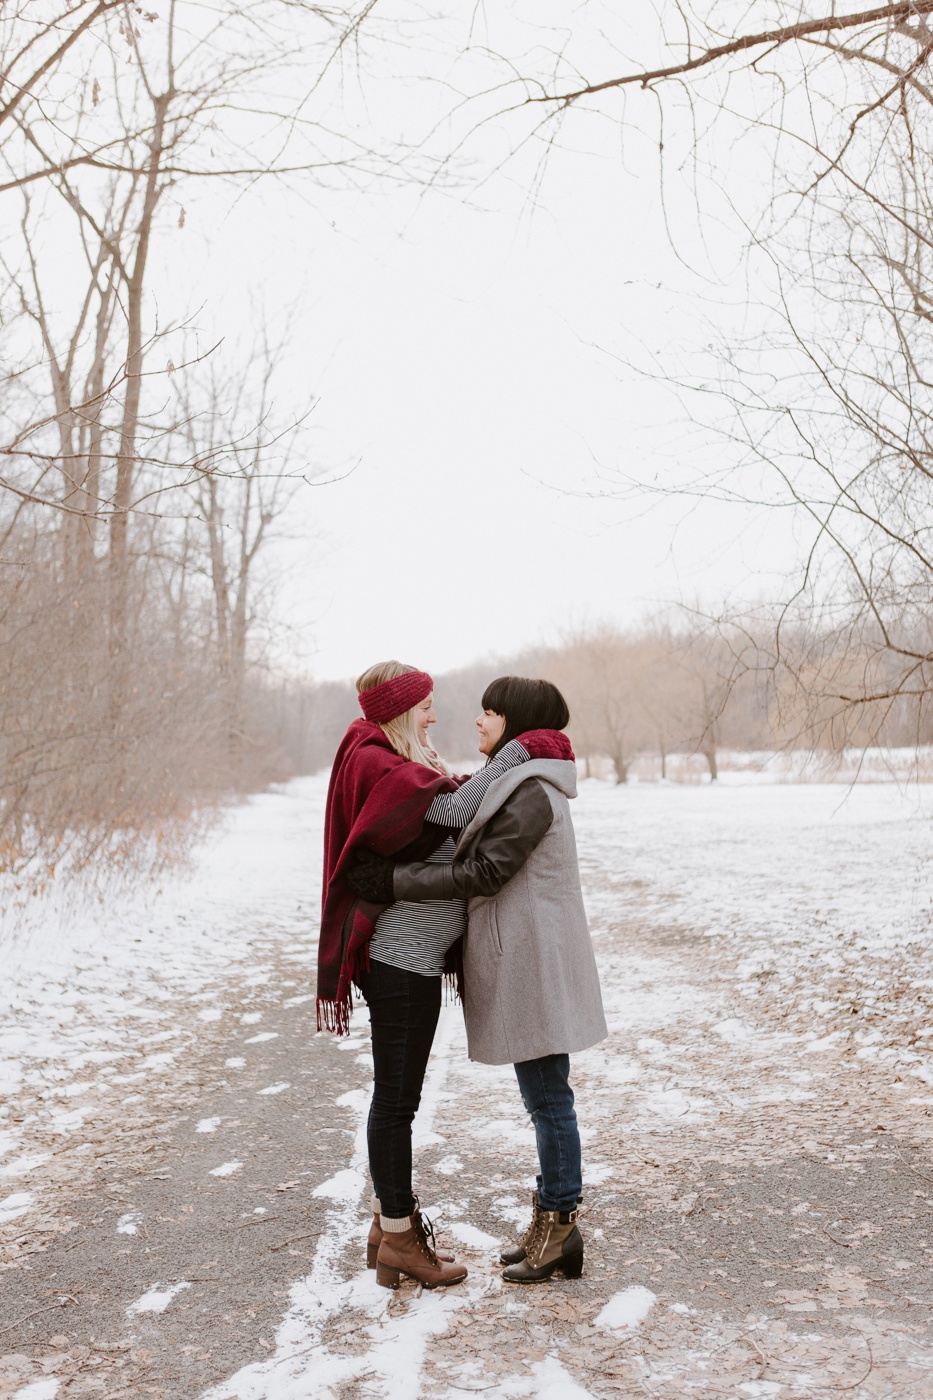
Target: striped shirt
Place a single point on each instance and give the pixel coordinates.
(416, 936)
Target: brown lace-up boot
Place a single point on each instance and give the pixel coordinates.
(516, 1254)
(556, 1245)
(375, 1240)
(412, 1253)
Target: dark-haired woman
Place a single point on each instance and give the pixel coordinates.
(532, 993)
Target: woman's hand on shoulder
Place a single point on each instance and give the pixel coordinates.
(370, 877)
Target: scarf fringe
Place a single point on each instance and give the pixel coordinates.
(334, 1015)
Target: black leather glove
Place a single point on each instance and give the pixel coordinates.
(370, 877)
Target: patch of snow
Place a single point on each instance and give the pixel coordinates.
(157, 1299)
(275, 1088)
(249, 1018)
(8, 1141)
(450, 1165)
(21, 1165)
(507, 1130)
(668, 1103)
(63, 1122)
(226, 1169)
(208, 1125)
(129, 1224)
(508, 1209)
(262, 1036)
(210, 1013)
(46, 1389)
(12, 1207)
(345, 1186)
(547, 1380)
(626, 1309)
(826, 1042)
(70, 1091)
(471, 1236)
(597, 1173)
(733, 1031)
(235, 1062)
(616, 1070)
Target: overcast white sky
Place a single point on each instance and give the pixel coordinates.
(468, 362)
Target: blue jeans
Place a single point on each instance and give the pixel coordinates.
(403, 1012)
(548, 1097)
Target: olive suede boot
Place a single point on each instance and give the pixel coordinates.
(556, 1246)
(411, 1254)
(516, 1254)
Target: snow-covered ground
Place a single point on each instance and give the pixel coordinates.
(820, 896)
(824, 892)
(96, 997)
(836, 880)
(792, 875)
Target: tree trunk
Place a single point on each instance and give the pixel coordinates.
(126, 457)
(94, 391)
(219, 579)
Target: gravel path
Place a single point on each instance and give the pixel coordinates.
(759, 1181)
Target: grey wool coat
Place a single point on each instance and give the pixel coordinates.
(530, 982)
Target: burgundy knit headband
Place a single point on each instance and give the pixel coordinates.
(393, 698)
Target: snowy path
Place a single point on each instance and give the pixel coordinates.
(757, 1131)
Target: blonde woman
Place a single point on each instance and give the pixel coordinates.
(391, 793)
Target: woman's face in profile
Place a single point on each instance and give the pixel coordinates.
(424, 715)
(491, 728)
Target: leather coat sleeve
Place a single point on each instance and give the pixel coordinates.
(503, 846)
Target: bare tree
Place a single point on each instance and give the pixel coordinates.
(824, 412)
(132, 516)
(676, 685)
(609, 684)
(248, 464)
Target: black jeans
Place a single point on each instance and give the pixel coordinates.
(403, 1012)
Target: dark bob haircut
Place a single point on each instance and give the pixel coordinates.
(525, 704)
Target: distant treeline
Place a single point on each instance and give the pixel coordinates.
(662, 690)
(109, 755)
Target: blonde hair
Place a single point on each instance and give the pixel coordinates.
(402, 732)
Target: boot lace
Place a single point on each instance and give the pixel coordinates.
(528, 1236)
(537, 1232)
(424, 1236)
